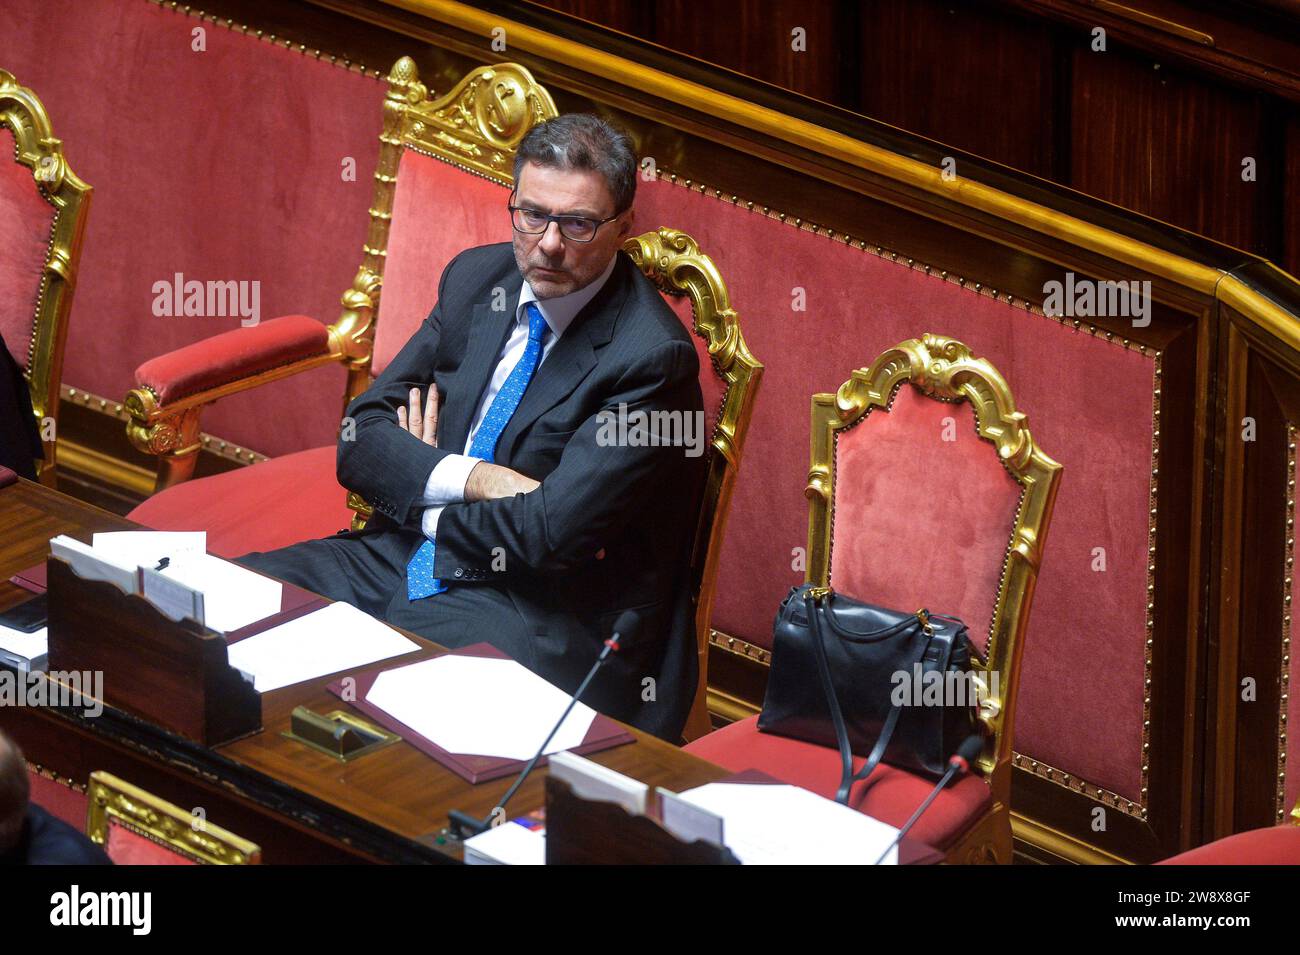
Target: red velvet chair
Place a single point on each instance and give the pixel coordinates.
(926, 490)
(43, 209)
(443, 180)
(137, 828)
(1274, 845)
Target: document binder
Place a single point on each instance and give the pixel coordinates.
(603, 734)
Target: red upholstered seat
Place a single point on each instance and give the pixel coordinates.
(273, 504)
(125, 847)
(1279, 845)
(890, 795)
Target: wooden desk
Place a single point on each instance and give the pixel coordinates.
(300, 806)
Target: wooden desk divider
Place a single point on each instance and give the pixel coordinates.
(586, 832)
(173, 674)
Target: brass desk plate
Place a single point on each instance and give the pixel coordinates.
(338, 733)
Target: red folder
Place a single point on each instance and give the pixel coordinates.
(33, 578)
(603, 734)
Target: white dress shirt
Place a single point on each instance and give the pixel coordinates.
(446, 484)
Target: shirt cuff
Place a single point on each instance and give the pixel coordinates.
(446, 484)
(429, 521)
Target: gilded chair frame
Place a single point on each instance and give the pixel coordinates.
(674, 262)
(477, 127)
(114, 800)
(36, 147)
(944, 369)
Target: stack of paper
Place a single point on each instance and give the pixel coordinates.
(334, 638)
(510, 843)
(192, 583)
(777, 824)
(25, 652)
(480, 706)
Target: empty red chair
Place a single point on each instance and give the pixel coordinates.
(926, 489)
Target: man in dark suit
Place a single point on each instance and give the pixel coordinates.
(28, 834)
(510, 505)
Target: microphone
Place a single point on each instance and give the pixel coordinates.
(464, 825)
(958, 765)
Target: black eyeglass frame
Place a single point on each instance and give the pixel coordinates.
(558, 220)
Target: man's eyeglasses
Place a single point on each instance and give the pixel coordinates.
(574, 228)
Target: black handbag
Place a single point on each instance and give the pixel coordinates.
(861, 678)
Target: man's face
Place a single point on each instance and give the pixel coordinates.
(552, 264)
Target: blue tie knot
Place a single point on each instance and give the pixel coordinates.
(537, 326)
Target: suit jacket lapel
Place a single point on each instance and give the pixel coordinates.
(573, 356)
(487, 336)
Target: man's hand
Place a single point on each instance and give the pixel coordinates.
(423, 426)
(490, 481)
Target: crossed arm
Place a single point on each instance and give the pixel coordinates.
(487, 481)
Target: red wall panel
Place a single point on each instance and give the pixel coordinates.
(224, 164)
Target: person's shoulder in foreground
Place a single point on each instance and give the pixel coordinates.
(47, 840)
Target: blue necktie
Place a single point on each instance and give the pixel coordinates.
(420, 581)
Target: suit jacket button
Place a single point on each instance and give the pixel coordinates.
(460, 571)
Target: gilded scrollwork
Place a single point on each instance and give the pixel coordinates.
(37, 148)
(480, 122)
(115, 802)
(673, 261)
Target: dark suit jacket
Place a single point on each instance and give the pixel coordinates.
(47, 840)
(20, 439)
(639, 505)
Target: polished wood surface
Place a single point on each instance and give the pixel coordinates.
(298, 804)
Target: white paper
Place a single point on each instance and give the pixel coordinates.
(89, 564)
(146, 548)
(769, 824)
(687, 821)
(480, 706)
(507, 844)
(31, 647)
(171, 597)
(336, 637)
(233, 596)
(593, 781)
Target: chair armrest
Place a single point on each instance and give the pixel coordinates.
(235, 361)
(173, 389)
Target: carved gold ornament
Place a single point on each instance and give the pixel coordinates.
(674, 262)
(36, 147)
(111, 800)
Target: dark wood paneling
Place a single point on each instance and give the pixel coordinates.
(754, 37)
(1290, 257)
(1170, 146)
(625, 16)
(966, 75)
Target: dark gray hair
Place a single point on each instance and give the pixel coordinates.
(584, 141)
(14, 793)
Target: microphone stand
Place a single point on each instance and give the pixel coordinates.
(958, 764)
(463, 825)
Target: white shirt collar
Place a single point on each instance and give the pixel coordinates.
(560, 312)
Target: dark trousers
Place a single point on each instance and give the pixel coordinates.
(369, 572)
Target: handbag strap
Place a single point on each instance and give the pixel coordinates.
(847, 776)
